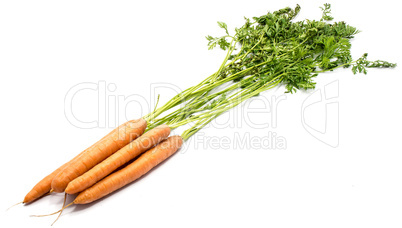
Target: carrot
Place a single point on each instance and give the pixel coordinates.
(102, 149)
(44, 186)
(121, 157)
(131, 172)
(128, 174)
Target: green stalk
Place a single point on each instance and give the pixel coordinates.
(274, 50)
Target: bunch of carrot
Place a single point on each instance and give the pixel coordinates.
(92, 173)
(273, 51)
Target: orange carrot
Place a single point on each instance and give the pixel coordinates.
(44, 186)
(102, 149)
(121, 157)
(131, 172)
(128, 174)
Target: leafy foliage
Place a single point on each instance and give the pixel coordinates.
(265, 52)
(296, 51)
(362, 63)
(326, 10)
(220, 41)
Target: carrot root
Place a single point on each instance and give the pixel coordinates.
(114, 141)
(119, 158)
(131, 172)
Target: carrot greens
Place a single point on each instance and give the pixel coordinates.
(265, 52)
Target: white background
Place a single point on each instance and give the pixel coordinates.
(48, 47)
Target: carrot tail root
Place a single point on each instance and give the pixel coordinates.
(14, 205)
(54, 212)
(61, 211)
